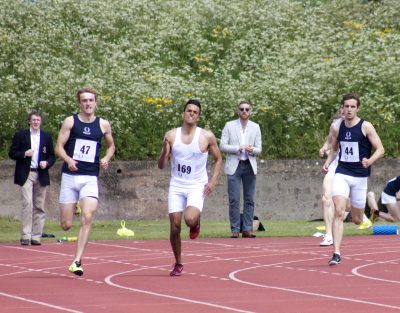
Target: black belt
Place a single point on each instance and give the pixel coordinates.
(244, 161)
(34, 169)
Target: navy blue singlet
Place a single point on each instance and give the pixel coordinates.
(83, 145)
(353, 147)
(392, 187)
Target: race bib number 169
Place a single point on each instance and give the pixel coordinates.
(183, 170)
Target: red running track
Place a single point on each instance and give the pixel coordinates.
(220, 275)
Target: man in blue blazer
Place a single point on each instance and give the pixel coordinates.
(33, 150)
(241, 140)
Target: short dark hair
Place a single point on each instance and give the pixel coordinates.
(350, 96)
(34, 112)
(88, 89)
(244, 102)
(194, 102)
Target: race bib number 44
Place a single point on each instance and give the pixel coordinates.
(85, 150)
(349, 151)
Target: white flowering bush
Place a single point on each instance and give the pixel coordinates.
(292, 59)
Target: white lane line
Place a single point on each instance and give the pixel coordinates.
(296, 291)
(39, 302)
(24, 269)
(164, 253)
(355, 271)
(223, 307)
(233, 277)
(128, 247)
(37, 250)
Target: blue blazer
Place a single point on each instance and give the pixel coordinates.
(22, 142)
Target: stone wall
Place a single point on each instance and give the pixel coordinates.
(286, 190)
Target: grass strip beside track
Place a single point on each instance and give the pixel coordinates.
(159, 229)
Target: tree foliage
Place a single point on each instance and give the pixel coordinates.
(292, 59)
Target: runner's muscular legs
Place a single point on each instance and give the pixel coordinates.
(191, 216)
(175, 234)
(340, 207)
(88, 206)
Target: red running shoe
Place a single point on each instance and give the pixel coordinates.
(177, 271)
(195, 231)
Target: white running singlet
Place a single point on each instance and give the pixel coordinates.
(188, 163)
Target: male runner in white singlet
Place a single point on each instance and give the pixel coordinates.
(189, 185)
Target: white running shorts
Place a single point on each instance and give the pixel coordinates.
(351, 187)
(387, 199)
(75, 187)
(179, 198)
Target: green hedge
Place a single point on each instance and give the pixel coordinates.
(292, 59)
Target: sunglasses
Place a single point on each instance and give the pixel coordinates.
(244, 109)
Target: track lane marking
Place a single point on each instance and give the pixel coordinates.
(39, 302)
(108, 281)
(233, 274)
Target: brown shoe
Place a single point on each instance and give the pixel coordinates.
(235, 234)
(248, 234)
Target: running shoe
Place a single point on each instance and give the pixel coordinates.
(327, 241)
(195, 231)
(335, 259)
(177, 271)
(365, 224)
(76, 268)
(374, 215)
(78, 210)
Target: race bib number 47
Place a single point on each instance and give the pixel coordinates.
(85, 150)
(349, 151)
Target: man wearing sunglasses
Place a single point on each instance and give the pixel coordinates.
(241, 141)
